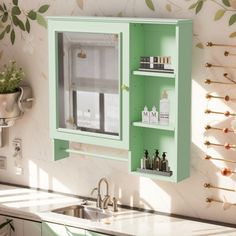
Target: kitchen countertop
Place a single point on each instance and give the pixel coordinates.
(37, 205)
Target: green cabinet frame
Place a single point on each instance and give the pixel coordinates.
(139, 37)
(62, 137)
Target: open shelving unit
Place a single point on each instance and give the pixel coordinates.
(160, 39)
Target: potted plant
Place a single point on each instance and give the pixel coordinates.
(10, 92)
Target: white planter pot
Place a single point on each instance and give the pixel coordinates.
(9, 107)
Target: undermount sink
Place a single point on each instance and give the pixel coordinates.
(84, 212)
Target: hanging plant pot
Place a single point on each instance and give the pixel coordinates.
(9, 107)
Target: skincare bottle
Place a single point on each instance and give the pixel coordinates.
(145, 115)
(156, 160)
(164, 163)
(153, 114)
(146, 160)
(164, 109)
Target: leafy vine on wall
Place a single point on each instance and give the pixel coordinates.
(225, 6)
(13, 17)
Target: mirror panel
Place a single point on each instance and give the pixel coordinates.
(89, 96)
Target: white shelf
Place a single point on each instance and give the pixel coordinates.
(154, 74)
(150, 126)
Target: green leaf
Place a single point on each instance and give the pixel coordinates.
(32, 15)
(199, 6)
(27, 25)
(232, 19)
(120, 14)
(15, 10)
(80, 4)
(41, 21)
(219, 14)
(13, 36)
(199, 45)
(15, 20)
(226, 2)
(21, 24)
(168, 7)
(150, 5)
(232, 35)
(193, 5)
(5, 17)
(8, 28)
(43, 8)
(2, 35)
(15, 2)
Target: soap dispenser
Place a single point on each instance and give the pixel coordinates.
(164, 163)
(156, 161)
(146, 160)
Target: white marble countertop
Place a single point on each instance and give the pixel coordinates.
(37, 205)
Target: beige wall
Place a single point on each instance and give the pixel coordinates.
(78, 175)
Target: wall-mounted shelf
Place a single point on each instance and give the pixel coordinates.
(133, 88)
(154, 74)
(150, 126)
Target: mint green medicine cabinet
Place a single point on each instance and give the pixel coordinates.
(98, 91)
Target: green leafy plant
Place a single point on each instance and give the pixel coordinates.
(10, 78)
(225, 6)
(150, 5)
(13, 17)
(7, 222)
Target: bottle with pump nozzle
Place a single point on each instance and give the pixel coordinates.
(146, 160)
(156, 161)
(164, 163)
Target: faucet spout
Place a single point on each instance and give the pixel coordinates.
(107, 185)
(103, 203)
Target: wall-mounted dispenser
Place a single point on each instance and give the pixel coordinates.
(13, 106)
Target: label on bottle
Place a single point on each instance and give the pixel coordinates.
(153, 117)
(164, 111)
(146, 117)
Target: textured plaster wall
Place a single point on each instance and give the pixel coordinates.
(79, 174)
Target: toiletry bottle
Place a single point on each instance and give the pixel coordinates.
(156, 161)
(146, 160)
(164, 109)
(150, 163)
(164, 162)
(145, 115)
(153, 114)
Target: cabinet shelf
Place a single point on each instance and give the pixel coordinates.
(154, 74)
(154, 176)
(150, 126)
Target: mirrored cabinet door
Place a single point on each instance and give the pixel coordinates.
(89, 82)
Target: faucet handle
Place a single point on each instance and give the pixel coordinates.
(93, 190)
(105, 202)
(114, 204)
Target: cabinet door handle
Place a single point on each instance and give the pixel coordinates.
(124, 87)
